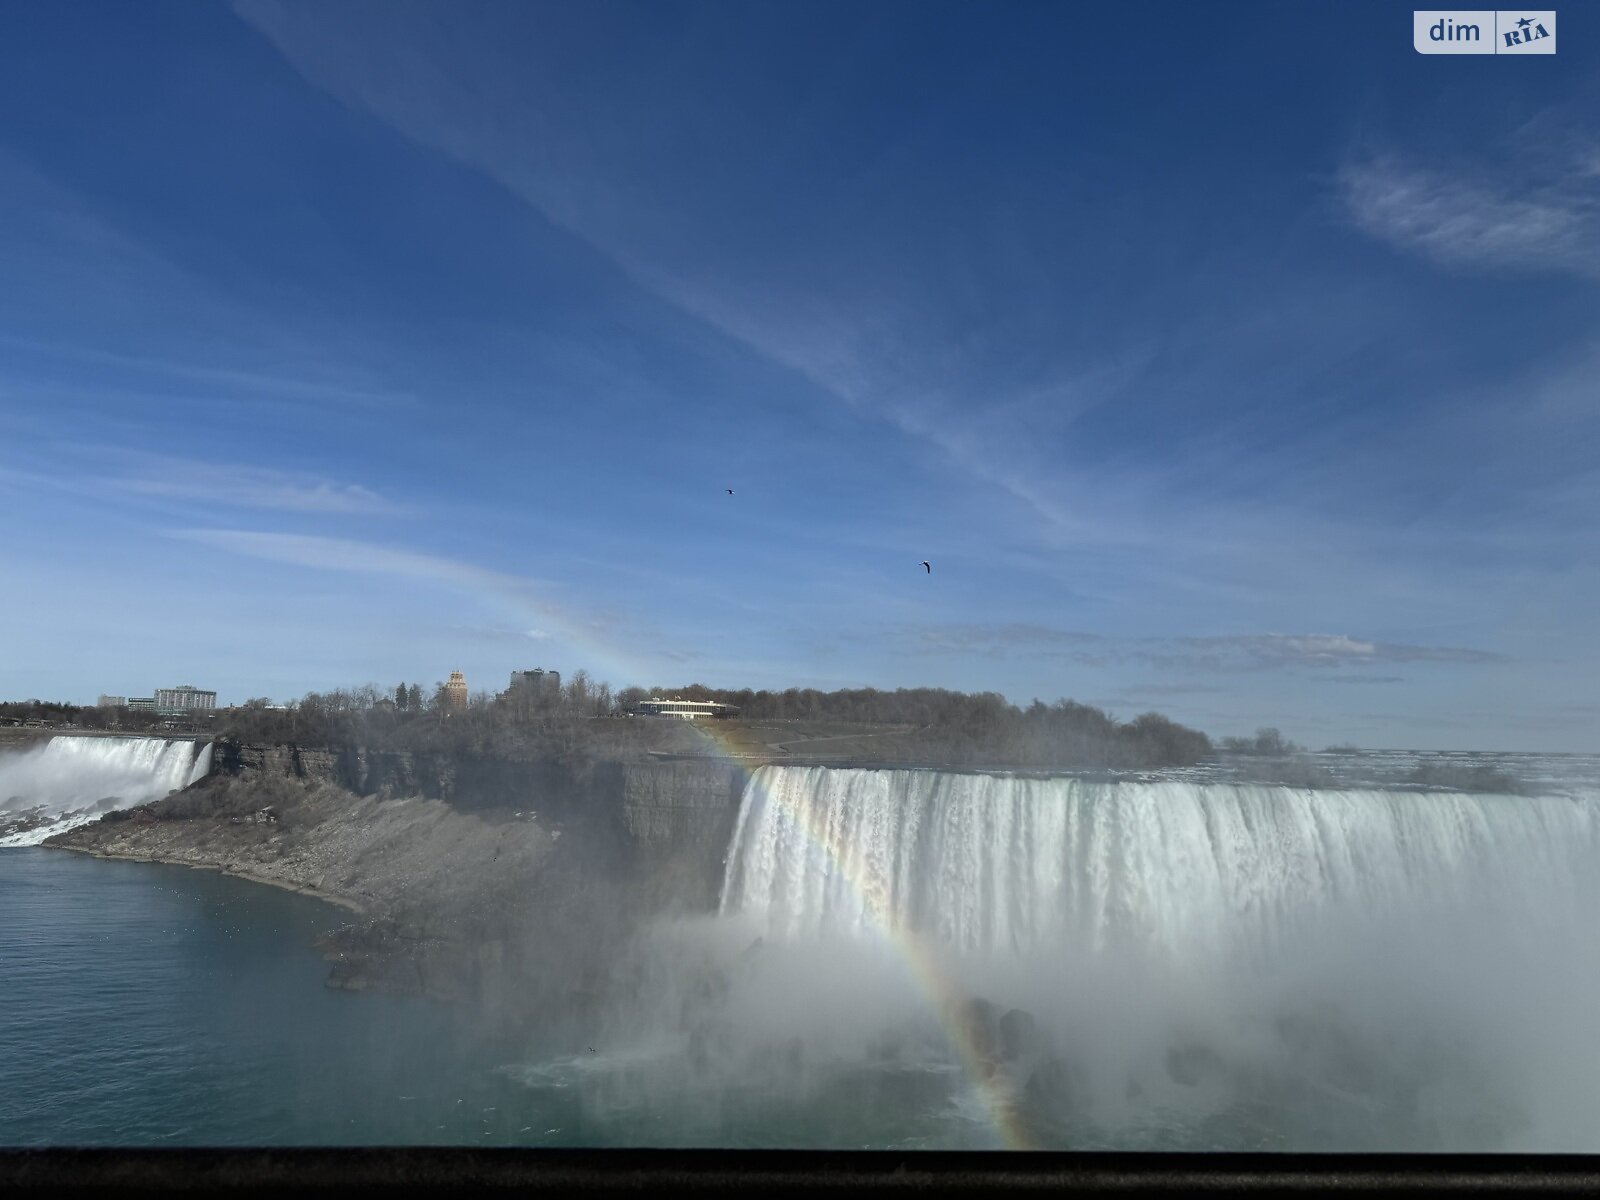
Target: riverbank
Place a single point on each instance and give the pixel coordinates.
(509, 890)
(344, 902)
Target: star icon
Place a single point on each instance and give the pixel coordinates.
(1525, 22)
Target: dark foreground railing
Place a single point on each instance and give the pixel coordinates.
(776, 1173)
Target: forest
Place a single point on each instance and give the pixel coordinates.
(583, 719)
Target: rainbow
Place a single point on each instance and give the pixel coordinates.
(937, 986)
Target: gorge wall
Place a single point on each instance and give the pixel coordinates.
(472, 872)
(669, 812)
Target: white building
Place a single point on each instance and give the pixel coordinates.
(687, 710)
(184, 698)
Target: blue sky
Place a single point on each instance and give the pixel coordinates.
(1233, 361)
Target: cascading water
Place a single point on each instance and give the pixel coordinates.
(72, 780)
(1184, 872)
(1157, 963)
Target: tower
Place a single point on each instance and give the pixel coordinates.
(455, 691)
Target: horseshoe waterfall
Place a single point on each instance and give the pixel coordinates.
(1160, 963)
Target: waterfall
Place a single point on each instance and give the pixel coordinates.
(202, 765)
(1176, 962)
(71, 780)
(984, 863)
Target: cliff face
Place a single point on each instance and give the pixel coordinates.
(660, 807)
(680, 804)
(474, 875)
(678, 818)
(465, 779)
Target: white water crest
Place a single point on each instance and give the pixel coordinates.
(71, 780)
(1180, 871)
(1155, 963)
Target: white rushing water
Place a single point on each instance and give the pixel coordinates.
(1205, 964)
(72, 780)
(984, 863)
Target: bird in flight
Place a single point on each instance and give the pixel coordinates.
(926, 567)
(730, 491)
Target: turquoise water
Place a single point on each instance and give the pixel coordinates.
(1234, 967)
(155, 1005)
(152, 1005)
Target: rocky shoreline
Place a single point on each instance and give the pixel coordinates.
(251, 876)
(506, 885)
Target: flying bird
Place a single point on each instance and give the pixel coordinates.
(730, 491)
(926, 567)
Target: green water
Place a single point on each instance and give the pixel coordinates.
(150, 1005)
(147, 1005)
(154, 1005)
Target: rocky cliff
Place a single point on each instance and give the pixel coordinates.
(474, 876)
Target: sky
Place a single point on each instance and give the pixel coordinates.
(1232, 361)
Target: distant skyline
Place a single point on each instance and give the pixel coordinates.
(1216, 369)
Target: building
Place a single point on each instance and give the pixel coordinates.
(538, 679)
(185, 698)
(455, 691)
(112, 702)
(686, 710)
(142, 703)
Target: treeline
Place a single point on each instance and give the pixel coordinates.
(51, 711)
(584, 719)
(1063, 734)
(904, 706)
(529, 721)
(1271, 743)
(59, 712)
(970, 728)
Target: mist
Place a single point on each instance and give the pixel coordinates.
(1054, 963)
(71, 780)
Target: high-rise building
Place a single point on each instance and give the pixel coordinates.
(112, 701)
(455, 691)
(184, 698)
(538, 679)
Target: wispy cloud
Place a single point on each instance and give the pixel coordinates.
(304, 386)
(872, 353)
(1277, 651)
(995, 640)
(1171, 689)
(342, 554)
(109, 472)
(1220, 654)
(499, 633)
(257, 488)
(516, 594)
(1501, 222)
